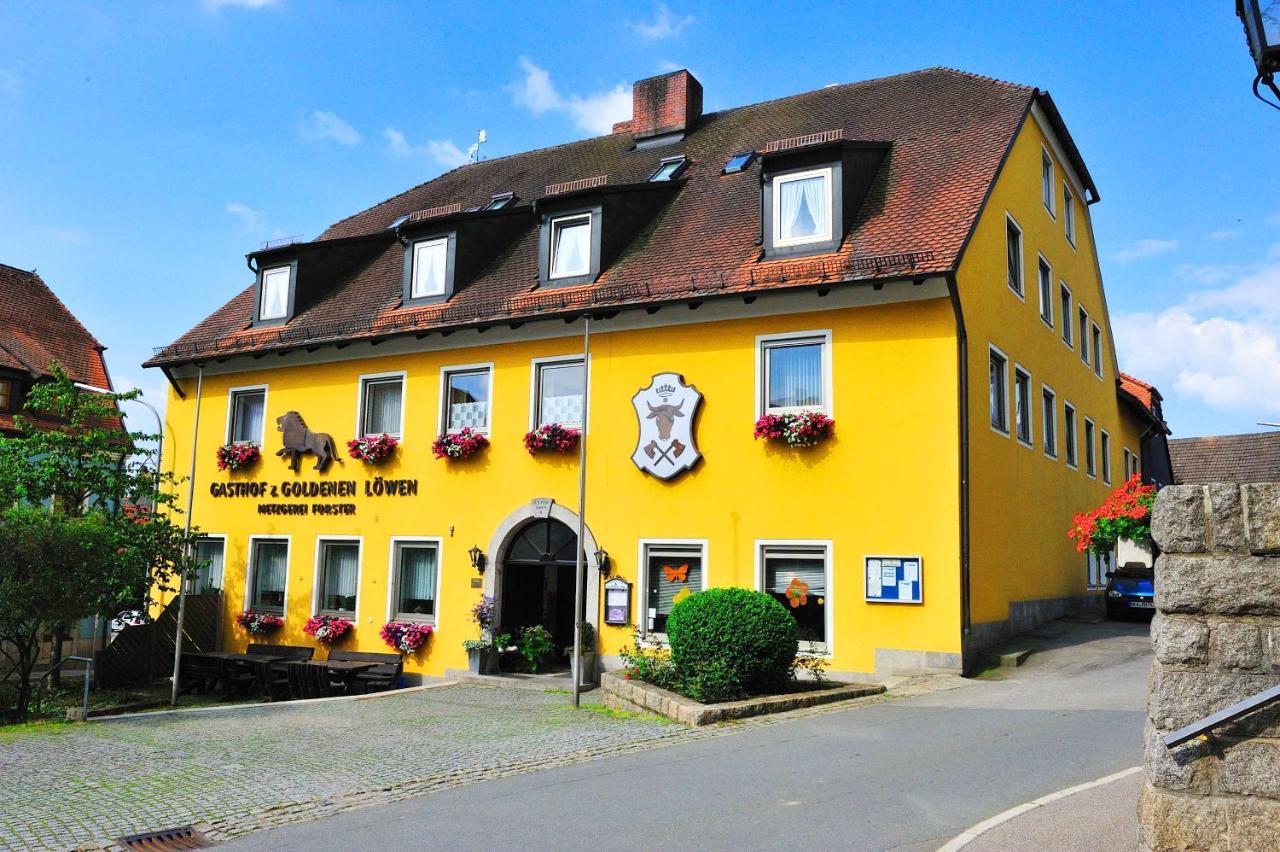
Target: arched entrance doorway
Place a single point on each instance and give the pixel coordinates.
(538, 569)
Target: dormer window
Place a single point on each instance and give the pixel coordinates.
(497, 202)
(273, 302)
(669, 168)
(428, 272)
(802, 207)
(570, 246)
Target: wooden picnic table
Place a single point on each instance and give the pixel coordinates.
(343, 670)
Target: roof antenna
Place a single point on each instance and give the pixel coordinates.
(474, 151)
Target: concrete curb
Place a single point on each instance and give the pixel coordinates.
(972, 833)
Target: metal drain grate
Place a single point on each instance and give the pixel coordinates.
(185, 837)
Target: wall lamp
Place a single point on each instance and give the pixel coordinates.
(602, 562)
(477, 558)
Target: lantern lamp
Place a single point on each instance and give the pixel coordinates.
(602, 562)
(477, 558)
(1262, 30)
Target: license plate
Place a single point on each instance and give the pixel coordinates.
(1142, 605)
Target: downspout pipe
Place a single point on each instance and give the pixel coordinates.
(962, 430)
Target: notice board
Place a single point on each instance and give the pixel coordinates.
(894, 579)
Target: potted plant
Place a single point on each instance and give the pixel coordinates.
(407, 637)
(462, 444)
(536, 646)
(259, 623)
(796, 428)
(1125, 514)
(327, 629)
(372, 449)
(551, 438)
(589, 675)
(238, 456)
(482, 653)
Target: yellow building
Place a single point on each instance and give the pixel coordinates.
(911, 257)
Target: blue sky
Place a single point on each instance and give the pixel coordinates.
(145, 147)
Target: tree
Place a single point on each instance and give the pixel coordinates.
(90, 526)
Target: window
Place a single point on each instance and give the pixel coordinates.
(673, 571)
(1069, 214)
(1046, 292)
(268, 565)
(209, 557)
(430, 258)
(1064, 299)
(1097, 350)
(802, 208)
(497, 202)
(669, 168)
(466, 398)
(798, 573)
(6, 394)
(1084, 335)
(738, 162)
(1046, 180)
(998, 383)
(1130, 463)
(1097, 566)
(794, 372)
(337, 577)
(1104, 448)
(1069, 433)
(1013, 255)
(415, 582)
(1022, 404)
(247, 416)
(1090, 460)
(273, 303)
(570, 246)
(381, 405)
(1049, 420)
(559, 387)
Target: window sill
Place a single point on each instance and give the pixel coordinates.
(415, 618)
(1003, 433)
(1048, 323)
(1026, 443)
(1051, 456)
(1022, 296)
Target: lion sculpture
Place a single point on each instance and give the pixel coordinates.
(299, 440)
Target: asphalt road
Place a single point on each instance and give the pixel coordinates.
(905, 775)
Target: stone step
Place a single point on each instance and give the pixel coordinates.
(1015, 658)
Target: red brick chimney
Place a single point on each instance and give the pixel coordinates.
(670, 103)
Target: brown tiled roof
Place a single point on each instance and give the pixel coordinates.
(1253, 457)
(1139, 390)
(37, 330)
(948, 132)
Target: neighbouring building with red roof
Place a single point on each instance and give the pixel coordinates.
(1145, 401)
(386, 420)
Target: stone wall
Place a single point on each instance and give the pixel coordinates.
(1216, 635)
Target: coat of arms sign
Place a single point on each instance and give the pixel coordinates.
(665, 412)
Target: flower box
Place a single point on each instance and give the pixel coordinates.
(327, 629)
(1125, 514)
(238, 456)
(552, 438)
(259, 623)
(406, 636)
(463, 444)
(796, 429)
(372, 448)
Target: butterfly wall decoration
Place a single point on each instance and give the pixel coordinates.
(678, 574)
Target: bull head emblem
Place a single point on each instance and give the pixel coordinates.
(665, 446)
(666, 416)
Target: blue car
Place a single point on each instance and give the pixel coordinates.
(1131, 591)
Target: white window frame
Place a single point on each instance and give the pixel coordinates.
(222, 537)
(1090, 447)
(317, 574)
(1104, 452)
(1096, 568)
(761, 544)
(393, 578)
(644, 545)
(363, 380)
(1048, 421)
(287, 269)
(1069, 213)
(1048, 182)
(442, 414)
(1008, 421)
(553, 249)
(1082, 319)
(249, 578)
(1130, 463)
(1022, 250)
(535, 372)
(1095, 339)
(1046, 305)
(418, 245)
(828, 394)
(231, 411)
(828, 198)
(1030, 440)
(1070, 437)
(1068, 331)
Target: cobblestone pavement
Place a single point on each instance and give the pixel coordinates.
(230, 772)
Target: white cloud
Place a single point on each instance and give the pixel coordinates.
(1145, 248)
(442, 151)
(321, 125)
(595, 113)
(1223, 235)
(663, 25)
(214, 5)
(255, 221)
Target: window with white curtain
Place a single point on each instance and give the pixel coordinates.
(269, 560)
(796, 576)
(558, 396)
(248, 413)
(209, 555)
(570, 246)
(339, 570)
(672, 571)
(466, 399)
(793, 373)
(429, 258)
(417, 571)
(274, 299)
(802, 207)
(380, 407)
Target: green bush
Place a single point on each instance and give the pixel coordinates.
(730, 643)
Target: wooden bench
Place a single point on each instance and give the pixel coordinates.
(386, 675)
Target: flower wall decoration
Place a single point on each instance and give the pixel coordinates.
(797, 593)
(551, 438)
(259, 622)
(372, 448)
(238, 456)
(327, 629)
(406, 636)
(796, 429)
(463, 444)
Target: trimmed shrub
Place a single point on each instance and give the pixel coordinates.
(730, 643)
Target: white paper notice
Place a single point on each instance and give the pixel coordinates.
(904, 592)
(888, 576)
(873, 583)
(911, 571)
